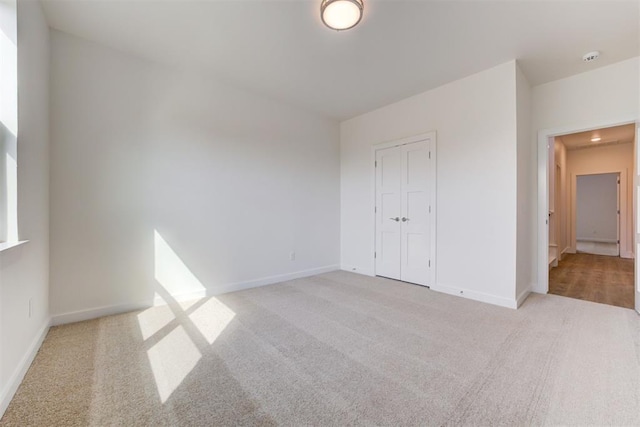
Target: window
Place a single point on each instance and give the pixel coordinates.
(8, 121)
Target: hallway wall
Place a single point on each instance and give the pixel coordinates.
(599, 160)
(596, 207)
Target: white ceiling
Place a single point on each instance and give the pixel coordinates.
(608, 136)
(401, 48)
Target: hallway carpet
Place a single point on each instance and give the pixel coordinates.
(597, 278)
(339, 349)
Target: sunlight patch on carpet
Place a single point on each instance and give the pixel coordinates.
(154, 319)
(171, 360)
(212, 318)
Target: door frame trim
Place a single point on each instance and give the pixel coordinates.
(541, 285)
(431, 137)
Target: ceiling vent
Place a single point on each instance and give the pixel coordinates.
(591, 56)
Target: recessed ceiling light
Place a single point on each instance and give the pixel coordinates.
(595, 139)
(591, 56)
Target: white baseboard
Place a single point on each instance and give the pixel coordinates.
(240, 286)
(358, 270)
(465, 293)
(627, 254)
(536, 288)
(477, 296)
(523, 296)
(18, 375)
(596, 240)
(93, 313)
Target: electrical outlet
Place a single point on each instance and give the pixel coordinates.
(30, 305)
(292, 256)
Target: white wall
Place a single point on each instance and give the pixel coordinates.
(475, 121)
(231, 181)
(604, 94)
(24, 269)
(596, 207)
(599, 160)
(525, 235)
(602, 97)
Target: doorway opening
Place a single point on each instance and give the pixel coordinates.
(591, 211)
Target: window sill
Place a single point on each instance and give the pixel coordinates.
(5, 246)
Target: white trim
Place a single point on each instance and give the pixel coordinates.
(635, 222)
(469, 294)
(477, 296)
(432, 138)
(596, 240)
(523, 296)
(403, 141)
(433, 178)
(357, 270)
(21, 370)
(4, 246)
(93, 313)
(542, 284)
(240, 286)
(627, 255)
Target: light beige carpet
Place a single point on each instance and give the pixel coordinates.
(340, 349)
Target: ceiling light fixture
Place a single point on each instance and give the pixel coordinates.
(595, 139)
(341, 14)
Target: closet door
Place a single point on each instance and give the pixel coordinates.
(389, 163)
(415, 227)
(403, 227)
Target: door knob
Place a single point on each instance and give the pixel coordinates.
(396, 219)
(405, 219)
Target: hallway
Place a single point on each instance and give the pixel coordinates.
(596, 278)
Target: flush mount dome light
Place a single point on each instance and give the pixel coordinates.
(341, 14)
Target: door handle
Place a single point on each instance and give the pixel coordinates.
(405, 219)
(396, 219)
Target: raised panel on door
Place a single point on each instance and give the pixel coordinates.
(388, 212)
(416, 238)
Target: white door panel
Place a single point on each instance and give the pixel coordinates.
(388, 211)
(415, 215)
